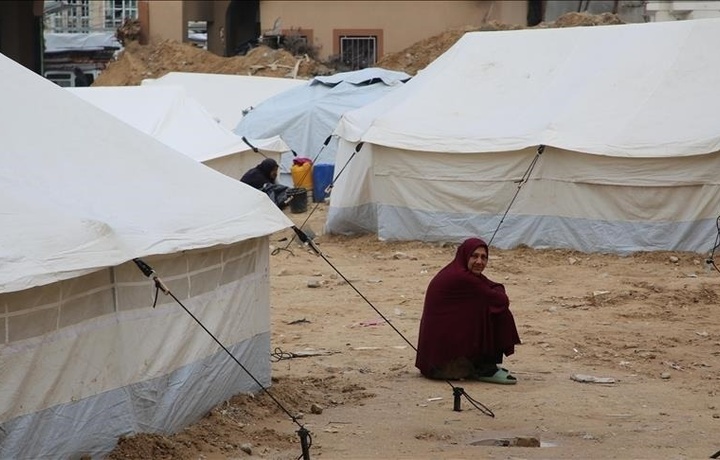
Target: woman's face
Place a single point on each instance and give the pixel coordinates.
(478, 260)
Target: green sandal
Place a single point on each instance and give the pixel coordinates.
(502, 377)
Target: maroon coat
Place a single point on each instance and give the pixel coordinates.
(465, 315)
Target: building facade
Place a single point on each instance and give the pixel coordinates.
(361, 31)
(85, 16)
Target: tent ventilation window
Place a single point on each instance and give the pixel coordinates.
(358, 52)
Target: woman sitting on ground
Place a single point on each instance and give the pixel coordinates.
(263, 177)
(466, 325)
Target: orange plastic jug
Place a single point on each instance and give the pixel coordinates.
(302, 175)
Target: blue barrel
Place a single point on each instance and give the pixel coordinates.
(322, 177)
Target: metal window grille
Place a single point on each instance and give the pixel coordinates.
(117, 10)
(78, 16)
(358, 52)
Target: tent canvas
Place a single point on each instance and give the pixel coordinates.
(84, 357)
(626, 113)
(176, 119)
(304, 117)
(226, 96)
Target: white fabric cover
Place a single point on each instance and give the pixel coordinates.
(84, 358)
(226, 96)
(625, 90)
(368, 75)
(171, 116)
(305, 116)
(56, 42)
(82, 190)
(627, 115)
(87, 360)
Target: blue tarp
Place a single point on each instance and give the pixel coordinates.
(305, 116)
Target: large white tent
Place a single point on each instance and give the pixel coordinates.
(305, 116)
(627, 114)
(84, 358)
(170, 115)
(227, 96)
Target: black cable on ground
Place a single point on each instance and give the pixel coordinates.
(457, 391)
(711, 258)
(276, 251)
(257, 150)
(305, 438)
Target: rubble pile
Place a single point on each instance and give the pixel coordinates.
(138, 62)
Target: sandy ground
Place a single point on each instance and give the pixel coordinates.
(648, 321)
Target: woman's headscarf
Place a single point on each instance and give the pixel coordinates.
(465, 315)
(260, 175)
(267, 166)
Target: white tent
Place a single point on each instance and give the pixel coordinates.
(168, 114)
(84, 358)
(626, 113)
(305, 116)
(227, 96)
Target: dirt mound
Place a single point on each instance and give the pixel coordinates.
(584, 19)
(229, 426)
(419, 55)
(138, 62)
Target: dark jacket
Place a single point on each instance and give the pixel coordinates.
(260, 175)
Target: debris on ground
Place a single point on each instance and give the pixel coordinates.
(137, 62)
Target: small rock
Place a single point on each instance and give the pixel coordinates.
(716, 415)
(665, 375)
(400, 255)
(316, 409)
(317, 274)
(300, 416)
(572, 261)
(583, 378)
(552, 309)
(600, 293)
(333, 276)
(283, 272)
(526, 442)
(247, 448)
(674, 259)
(314, 283)
(374, 280)
(588, 436)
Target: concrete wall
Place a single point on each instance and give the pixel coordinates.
(682, 10)
(401, 23)
(398, 24)
(166, 21)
